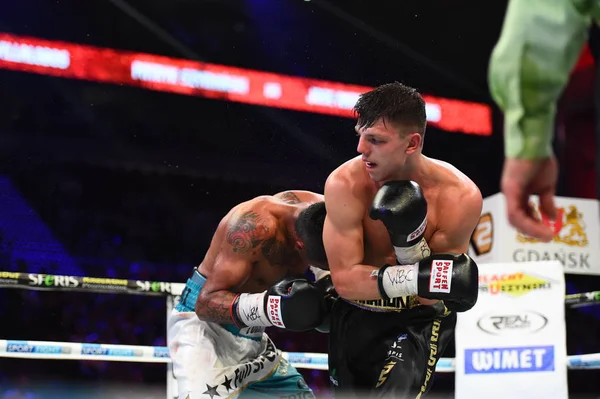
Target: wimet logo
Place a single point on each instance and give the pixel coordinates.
(509, 360)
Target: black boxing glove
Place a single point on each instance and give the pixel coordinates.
(402, 208)
(448, 277)
(325, 284)
(294, 303)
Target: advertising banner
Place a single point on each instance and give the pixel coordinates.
(575, 243)
(512, 343)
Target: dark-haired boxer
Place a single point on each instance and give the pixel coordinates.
(396, 234)
(252, 277)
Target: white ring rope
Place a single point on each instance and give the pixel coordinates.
(160, 354)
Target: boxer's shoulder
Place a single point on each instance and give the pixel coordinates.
(350, 178)
(450, 175)
(460, 193)
(455, 204)
(251, 222)
(451, 185)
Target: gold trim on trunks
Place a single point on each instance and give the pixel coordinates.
(392, 305)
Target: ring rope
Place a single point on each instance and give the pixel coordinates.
(160, 354)
(53, 282)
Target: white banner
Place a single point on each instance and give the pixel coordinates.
(576, 235)
(512, 343)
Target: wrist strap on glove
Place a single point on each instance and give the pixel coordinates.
(397, 281)
(414, 253)
(248, 310)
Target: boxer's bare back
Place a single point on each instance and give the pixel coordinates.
(254, 247)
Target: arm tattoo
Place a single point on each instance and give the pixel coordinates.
(248, 231)
(215, 307)
(290, 198)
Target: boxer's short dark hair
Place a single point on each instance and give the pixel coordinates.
(394, 102)
(309, 227)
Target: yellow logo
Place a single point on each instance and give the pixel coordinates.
(384, 373)
(513, 284)
(569, 227)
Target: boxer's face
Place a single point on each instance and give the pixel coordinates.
(385, 148)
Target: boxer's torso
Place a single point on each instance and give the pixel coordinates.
(274, 254)
(441, 182)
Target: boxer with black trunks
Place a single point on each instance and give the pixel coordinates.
(396, 234)
(253, 276)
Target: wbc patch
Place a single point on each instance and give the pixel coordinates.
(440, 279)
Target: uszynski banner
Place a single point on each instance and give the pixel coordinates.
(512, 343)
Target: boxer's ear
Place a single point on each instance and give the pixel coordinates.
(415, 141)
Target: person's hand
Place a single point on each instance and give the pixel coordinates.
(522, 178)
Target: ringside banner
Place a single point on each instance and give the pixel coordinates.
(512, 343)
(574, 245)
(53, 282)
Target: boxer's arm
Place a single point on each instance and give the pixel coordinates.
(343, 240)
(244, 234)
(455, 227)
(216, 296)
(457, 222)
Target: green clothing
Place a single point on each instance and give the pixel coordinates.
(540, 43)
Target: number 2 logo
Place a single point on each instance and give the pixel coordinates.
(483, 236)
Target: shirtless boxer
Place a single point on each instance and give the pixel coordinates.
(252, 277)
(394, 206)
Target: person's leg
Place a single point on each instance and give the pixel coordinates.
(409, 367)
(436, 337)
(343, 339)
(285, 383)
(401, 373)
(368, 347)
(209, 361)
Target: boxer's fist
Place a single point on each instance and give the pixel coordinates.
(301, 304)
(325, 284)
(295, 304)
(448, 277)
(402, 208)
